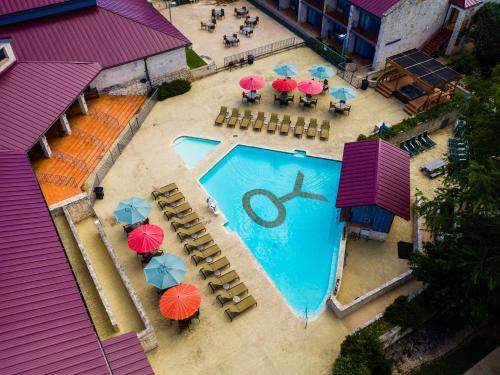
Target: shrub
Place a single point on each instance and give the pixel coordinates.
(405, 313)
(173, 88)
(347, 366)
(361, 137)
(464, 63)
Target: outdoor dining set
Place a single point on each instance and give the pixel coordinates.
(246, 29)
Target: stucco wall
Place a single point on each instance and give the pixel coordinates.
(166, 63)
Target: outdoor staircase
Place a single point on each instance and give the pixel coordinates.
(437, 41)
(387, 86)
(417, 105)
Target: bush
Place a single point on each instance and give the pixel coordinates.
(406, 313)
(464, 63)
(173, 88)
(361, 137)
(347, 366)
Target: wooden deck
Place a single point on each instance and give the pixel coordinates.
(77, 155)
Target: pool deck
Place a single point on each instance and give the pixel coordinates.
(270, 339)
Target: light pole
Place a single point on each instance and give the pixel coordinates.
(170, 5)
(345, 39)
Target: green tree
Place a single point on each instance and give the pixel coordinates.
(484, 31)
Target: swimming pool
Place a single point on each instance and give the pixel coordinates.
(192, 149)
(282, 205)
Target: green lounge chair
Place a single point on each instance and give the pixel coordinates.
(209, 268)
(219, 121)
(210, 251)
(218, 282)
(259, 122)
(183, 208)
(171, 200)
(247, 118)
(233, 120)
(198, 243)
(238, 308)
(285, 125)
(273, 123)
(299, 127)
(227, 295)
(164, 190)
(185, 221)
(192, 231)
(312, 128)
(325, 130)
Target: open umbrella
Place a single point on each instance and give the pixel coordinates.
(310, 87)
(321, 71)
(132, 210)
(145, 238)
(342, 93)
(252, 82)
(180, 302)
(165, 271)
(284, 84)
(286, 70)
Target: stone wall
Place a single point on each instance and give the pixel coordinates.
(78, 206)
(166, 63)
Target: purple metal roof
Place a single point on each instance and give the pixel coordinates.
(375, 7)
(14, 6)
(126, 355)
(112, 33)
(375, 172)
(44, 326)
(34, 95)
(466, 3)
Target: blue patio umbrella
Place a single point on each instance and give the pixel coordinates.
(321, 71)
(132, 210)
(342, 93)
(165, 271)
(286, 70)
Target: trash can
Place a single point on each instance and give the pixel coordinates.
(250, 59)
(364, 84)
(99, 192)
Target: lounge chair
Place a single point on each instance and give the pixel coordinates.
(198, 243)
(221, 117)
(227, 295)
(245, 121)
(210, 251)
(325, 130)
(170, 212)
(164, 190)
(259, 122)
(171, 200)
(191, 232)
(312, 128)
(233, 120)
(217, 265)
(217, 282)
(285, 125)
(236, 309)
(273, 123)
(299, 127)
(428, 139)
(185, 221)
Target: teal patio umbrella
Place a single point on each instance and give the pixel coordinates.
(342, 93)
(165, 271)
(286, 70)
(132, 210)
(321, 71)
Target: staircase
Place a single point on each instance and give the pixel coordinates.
(417, 105)
(437, 41)
(388, 86)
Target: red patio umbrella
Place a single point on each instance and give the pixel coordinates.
(310, 87)
(252, 82)
(180, 302)
(145, 238)
(285, 84)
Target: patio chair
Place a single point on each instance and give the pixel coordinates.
(217, 282)
(428, 139)
(313, 102)
(290, 99)
(325, 130)
(221, 116)
(273, 123)
(299, 127)
(225, 296)
(203, 25)
(247, 118)
(146, 258)
(209, 268)
(211, 251)
(233, 120)
(185, 221)
(285, 125)
(312, 128)
(238, 308)
(164, 190)
(277, 98)
(259, 122)
(332, 107)
(249, 33)
(258, 97)
(170, 212)
(171, 200)
(198, 243)
(222, 14)
(191, 232)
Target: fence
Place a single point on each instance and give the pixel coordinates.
(71, 160)
(204, 71)
(57, 179)
(105, 117)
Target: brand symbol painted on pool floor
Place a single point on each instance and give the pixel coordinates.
(278, 202)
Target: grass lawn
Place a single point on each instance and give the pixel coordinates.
(193, 60)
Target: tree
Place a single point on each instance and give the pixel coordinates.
(484, 31)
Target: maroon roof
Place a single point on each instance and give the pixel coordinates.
(44, 326)
(375, 7)
(126, 355)
(466, 3)
(34, 95)
(112, 33)
(14, 6)
(375, 172)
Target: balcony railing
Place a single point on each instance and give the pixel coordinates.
(337, 15)
(371, 36)
(318, 4)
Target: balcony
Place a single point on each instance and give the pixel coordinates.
(337, 15)
(370, 36)
(318, 4)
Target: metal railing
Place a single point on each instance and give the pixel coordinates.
(57, 179)
(71, 160)
(105, 117)
(87, 137)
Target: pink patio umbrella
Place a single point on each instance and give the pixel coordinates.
(310, 87)
(145, 238)
(285, 84)
(252, 82)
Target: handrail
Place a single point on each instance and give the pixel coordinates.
(71, 160)
(88, 137)
(57, 179)
(105, 117)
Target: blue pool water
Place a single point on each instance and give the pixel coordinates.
(192, 149)
(282, 206)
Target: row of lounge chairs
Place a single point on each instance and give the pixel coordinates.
(417, 144)
(284, 126)
(458, 149)
(202, 247)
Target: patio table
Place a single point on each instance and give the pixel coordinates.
(236, 299)
(251, 95)
(226, 286)
(241, 11)
(341, 106)
(217, 12)
(251, 21)
(246, 29)
(231, 39)
(434, 164)
(217, 272)
(210, 25)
